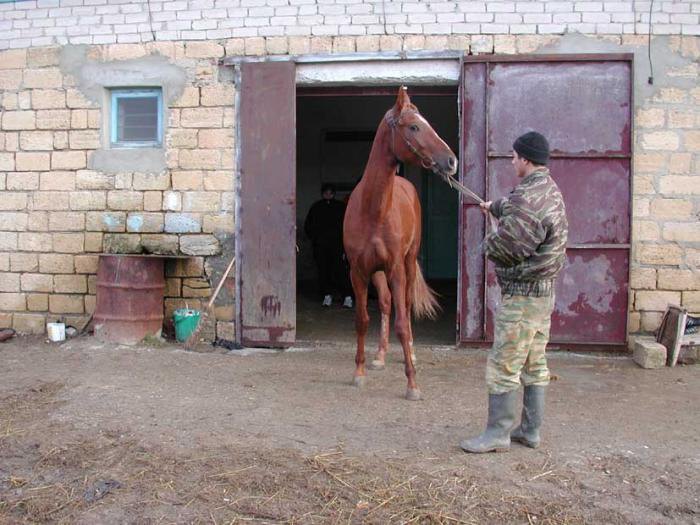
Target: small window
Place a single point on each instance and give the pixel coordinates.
(137, 118)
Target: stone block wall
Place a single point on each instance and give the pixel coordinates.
(61, 205)
(32, 23)
(666, 206)
(63, 201)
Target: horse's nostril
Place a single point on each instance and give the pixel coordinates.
(451, 161)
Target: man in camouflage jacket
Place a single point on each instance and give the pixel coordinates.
(529, 251)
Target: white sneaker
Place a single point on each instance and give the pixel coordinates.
(348, 302)
(327, 300)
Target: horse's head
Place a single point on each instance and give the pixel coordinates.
(415, 141)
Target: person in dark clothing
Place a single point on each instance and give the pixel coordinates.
(324, 226)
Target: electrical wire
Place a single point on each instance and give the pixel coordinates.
(651, 66)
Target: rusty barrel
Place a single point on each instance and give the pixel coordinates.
(129, 298)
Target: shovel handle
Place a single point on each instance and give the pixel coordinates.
(221, 283)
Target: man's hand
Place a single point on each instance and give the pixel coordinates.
(485, 207)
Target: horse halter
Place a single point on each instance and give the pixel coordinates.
(426, 162)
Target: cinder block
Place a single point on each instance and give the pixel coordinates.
(152, 201)
(70, 284)
(37, 302)
(13, 59)
(24, 262)
(201, 117)
(56, 263)
(26, 161)
(106, 221)
(200, 201)
(93, 242)
(122, 243)
(43, 78)
(151, 181)
(48, 99)
(199, 245)
(19, 120)
(37, 282)
(190, 267)
(182, 223)
(192, 159)
(161, 244)
(125, 200)
(52, 119)
(68, 160)
(66, 304)
(86, 263)
(649, 354)
(69, 242)
(189, 98)
(9, 282)
(144, 222)
(29, 323)
(217, 95)
(22, 180)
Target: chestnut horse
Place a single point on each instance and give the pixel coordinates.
(382, 232)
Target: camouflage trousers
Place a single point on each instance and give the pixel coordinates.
(521, 333)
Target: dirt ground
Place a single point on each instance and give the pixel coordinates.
(93, 433)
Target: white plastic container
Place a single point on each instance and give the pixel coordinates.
(56, 331)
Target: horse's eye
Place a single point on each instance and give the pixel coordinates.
(413, 127)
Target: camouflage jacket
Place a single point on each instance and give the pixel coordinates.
(529, 247)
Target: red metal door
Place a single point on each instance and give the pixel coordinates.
(266, 212)
(582, 104)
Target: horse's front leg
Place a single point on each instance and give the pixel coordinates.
(359, 286)
(384, 295)
(402, 327)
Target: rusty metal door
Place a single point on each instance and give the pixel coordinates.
(267, 205)
(582, 104)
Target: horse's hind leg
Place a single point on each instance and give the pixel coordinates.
(379, 280)
(359, 286)
(403, 330)
(410, 283)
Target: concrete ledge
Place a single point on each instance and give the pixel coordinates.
(649, 354)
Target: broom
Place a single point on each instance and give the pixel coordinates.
(194, 336)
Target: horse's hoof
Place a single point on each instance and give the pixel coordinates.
(412, 394)
(377, 365)
(358, 381)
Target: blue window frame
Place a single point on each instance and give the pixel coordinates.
(136, 118)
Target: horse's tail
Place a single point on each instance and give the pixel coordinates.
(425, 303)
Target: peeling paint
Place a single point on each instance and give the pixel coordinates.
(602, 289)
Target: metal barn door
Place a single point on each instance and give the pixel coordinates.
(267, 207)
(582, 104)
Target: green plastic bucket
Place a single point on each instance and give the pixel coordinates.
(186, 321)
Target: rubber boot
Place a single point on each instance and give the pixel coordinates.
(496, 437)
(528, 432)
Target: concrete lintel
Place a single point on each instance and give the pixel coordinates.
(381, 56)
(413, 72)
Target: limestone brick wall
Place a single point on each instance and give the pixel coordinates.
(666, 207)
(57, 210)
(45, 22)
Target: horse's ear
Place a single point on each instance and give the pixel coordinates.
(402, 99)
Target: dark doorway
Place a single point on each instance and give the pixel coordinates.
(335, 129)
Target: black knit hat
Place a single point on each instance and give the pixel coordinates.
(533, 147)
